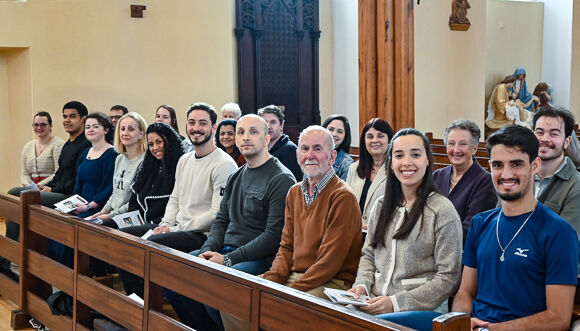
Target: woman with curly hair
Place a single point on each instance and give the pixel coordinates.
(156, 176)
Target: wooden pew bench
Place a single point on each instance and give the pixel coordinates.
(264, 304)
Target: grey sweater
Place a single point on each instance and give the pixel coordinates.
(251, 214)
(421, 271)
(125, 171)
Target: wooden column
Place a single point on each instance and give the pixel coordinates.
(386, 64)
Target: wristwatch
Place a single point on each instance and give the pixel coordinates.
(89, 206)
(227, 261)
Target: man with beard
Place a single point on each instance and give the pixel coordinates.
(246, 233)
(322, 239)
(557, 181)
(200, 181)
(520, 259)
(280, 145)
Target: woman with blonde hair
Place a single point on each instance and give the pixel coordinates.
(131, 143)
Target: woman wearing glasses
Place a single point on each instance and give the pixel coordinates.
(40, 156)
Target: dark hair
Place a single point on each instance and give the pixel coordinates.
(272, 109)
(172, 151)
(345, 145)
(557, 111)
(106, 123)
(44, 114)
(394, 194)
(515, 136)
(173, 116)
(204, 106)
(79, 106)
(121, 108)
(365, 161)
(236, 152)
(509, 79)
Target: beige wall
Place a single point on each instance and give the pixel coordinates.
(181, 52)
(575, 77)
(506, 49)
(449, 66)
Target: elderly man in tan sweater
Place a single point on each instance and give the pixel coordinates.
(322, 238)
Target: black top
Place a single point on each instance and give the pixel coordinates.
(65, 177)
(285, 151)
(363, 195)
(151, 199)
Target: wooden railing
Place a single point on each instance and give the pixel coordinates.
(264, 304)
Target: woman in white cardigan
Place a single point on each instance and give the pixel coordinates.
(411, 259)
(367, 176)
(40, 156)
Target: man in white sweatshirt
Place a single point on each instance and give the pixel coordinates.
(200, 181)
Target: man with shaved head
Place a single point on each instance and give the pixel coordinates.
(246, 232)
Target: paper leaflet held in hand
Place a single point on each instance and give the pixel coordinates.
(132, 218)
(345, 297)
(69, 204)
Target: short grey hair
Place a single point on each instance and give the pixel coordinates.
(330, 140)
(466, 125)
(234, 108)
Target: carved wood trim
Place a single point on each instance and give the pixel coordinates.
(386, 66)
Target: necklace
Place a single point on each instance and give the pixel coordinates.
(502, 257)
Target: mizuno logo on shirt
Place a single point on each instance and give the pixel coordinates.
(521, 252)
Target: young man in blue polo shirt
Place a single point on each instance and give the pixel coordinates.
(521, 259)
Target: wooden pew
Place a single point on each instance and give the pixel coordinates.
(10, 249)
(253, 299)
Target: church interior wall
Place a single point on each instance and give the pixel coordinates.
(449, 66)
(514, 31)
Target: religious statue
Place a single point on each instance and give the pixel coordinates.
(459, 12)
(503, 110)
(544, 93)
(520, 90)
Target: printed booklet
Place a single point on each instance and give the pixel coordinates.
(69, 204)
(131, 218)
(345, 297)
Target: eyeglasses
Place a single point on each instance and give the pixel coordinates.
(39, 125)
(114, 117)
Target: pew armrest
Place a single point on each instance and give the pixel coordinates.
(454, 321)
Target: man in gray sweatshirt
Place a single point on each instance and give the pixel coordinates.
(247, 230)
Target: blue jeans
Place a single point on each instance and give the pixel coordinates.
(201, 317)
(420, 320)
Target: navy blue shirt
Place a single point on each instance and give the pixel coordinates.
(285, 151)
(545, 252)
